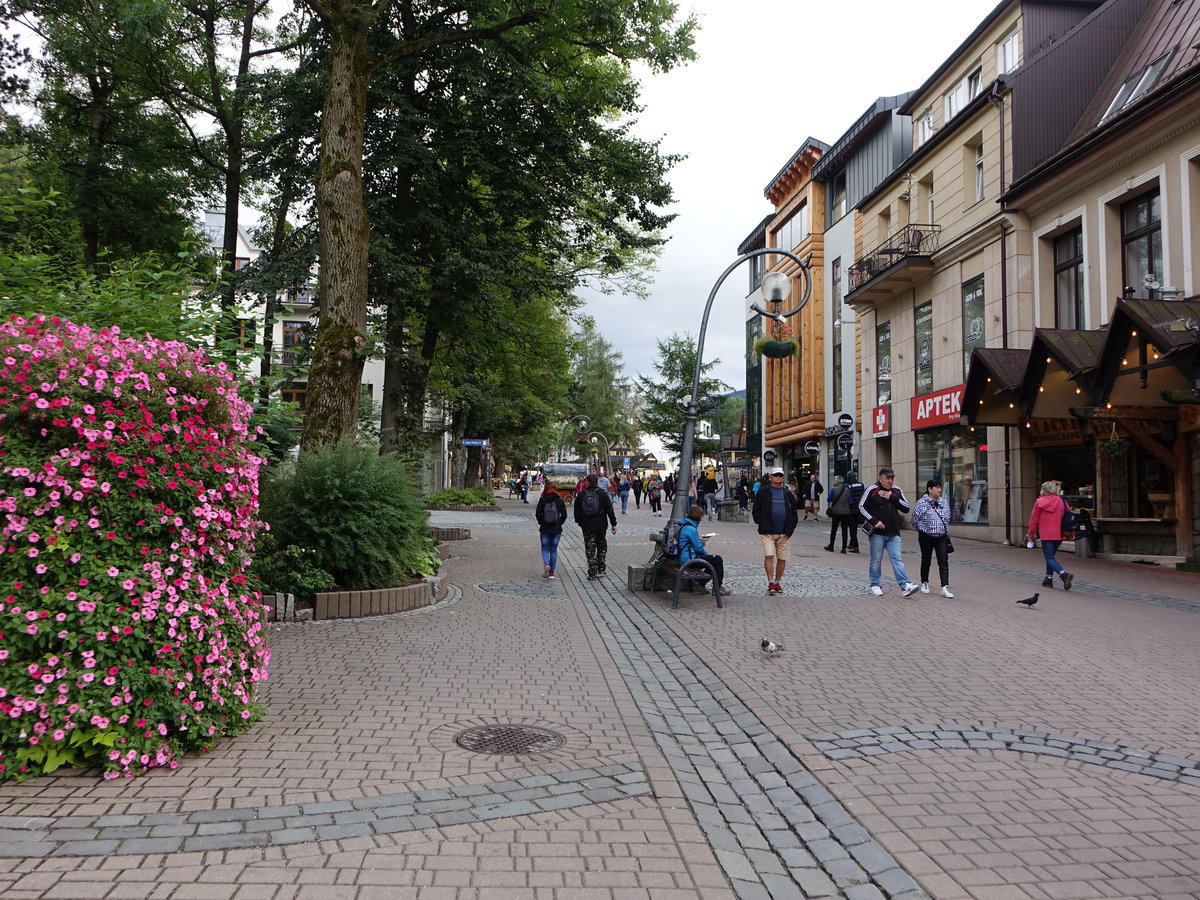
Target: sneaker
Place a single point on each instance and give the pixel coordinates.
(551, 575)
(911, 588)
(876, 590)
(1067, 578)
(946, 592)
(829, 547)
(924, 587)
(546, 570)
(592, 577)
(1048, 582)
(774, 587)
(725, 592)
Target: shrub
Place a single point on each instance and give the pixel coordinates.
(128, 634)
(356, 512)
(475, 496)
(288, 570)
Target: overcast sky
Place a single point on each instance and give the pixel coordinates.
(769, 74)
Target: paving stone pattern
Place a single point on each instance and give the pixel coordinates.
(901, 739)
(776, 831)
(226, 829)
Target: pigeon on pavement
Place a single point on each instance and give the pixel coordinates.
(771, 648)
(1029, 601)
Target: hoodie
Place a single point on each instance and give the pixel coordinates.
(1045, 522)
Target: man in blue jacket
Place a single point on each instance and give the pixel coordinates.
(775, 513)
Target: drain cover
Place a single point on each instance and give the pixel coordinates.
(508, 740)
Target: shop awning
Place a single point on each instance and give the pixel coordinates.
(990, 394)
(1061, 372)
(1153, 346)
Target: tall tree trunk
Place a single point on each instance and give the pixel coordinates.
(331, 410)
(89, 206)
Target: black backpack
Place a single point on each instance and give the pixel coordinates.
(590, 504)
(550, 512)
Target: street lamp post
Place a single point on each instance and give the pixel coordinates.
(584, 423)
(775, 289)
(595, 438)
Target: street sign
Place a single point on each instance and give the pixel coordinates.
(845, 420)
(812, 448)
(769, 457)
(473, 442)
(845, 441)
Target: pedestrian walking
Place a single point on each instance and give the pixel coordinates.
(624, 486)
(669, 487)
(523, 487)
(551, 513)
(1045, 525)
(743, 492)
(691, 489)
(691, 546)
(814, 491)
(841, 514)
(706, 492)
(654, 493)
(593, 514)
(881, 506)
(775, 514)
(639, 486)
(931, 518)
(856, 490)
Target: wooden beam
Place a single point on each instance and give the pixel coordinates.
(1144, 438)
(1183, 498)
(1126, 413)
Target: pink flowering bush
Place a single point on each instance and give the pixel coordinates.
(128, 498)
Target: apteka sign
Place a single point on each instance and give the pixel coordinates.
(939, 408)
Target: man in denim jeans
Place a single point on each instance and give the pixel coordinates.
(881, 506)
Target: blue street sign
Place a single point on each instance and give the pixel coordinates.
(472, 442)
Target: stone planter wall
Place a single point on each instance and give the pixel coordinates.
(462, 507)
(358, 604)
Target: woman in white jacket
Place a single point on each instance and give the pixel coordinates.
(931, 518)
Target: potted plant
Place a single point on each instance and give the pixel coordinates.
(779, 342)
(1114, 447)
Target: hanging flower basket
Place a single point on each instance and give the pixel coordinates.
(778, 343)
(1114, 447)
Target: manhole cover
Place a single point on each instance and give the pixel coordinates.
(507, 740)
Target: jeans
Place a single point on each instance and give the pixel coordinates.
(595, 547)
(624, 500)
(550, 541)
(711, 503)
(891, 543)
(1049, 548)
(931, 544)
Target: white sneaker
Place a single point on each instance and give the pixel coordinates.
(946, 592)
(924, 587)
(876, 590)
(911, 588)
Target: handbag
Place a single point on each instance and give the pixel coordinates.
(949, 544)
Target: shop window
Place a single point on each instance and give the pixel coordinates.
(1141, 243)
(957, 457)
(1068, 279)
(974, 326)
(924, 349)
(883, 363)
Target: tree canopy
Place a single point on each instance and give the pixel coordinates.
(663, 398)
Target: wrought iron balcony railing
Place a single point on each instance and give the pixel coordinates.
(911, 240)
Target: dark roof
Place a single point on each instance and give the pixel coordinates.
(809, 142)
(994, 371)
(1172, 327)
(1077, 351)
(843, 145)
(756, 239)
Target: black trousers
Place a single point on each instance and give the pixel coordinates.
(931, 544)
(849, 532)
(718, 565)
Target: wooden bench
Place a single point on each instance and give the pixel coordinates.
(690, 573)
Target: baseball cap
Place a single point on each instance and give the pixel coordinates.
(776, 471)
(891, 472)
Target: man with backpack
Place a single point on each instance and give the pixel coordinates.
(593, 513)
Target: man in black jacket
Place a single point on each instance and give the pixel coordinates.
(593, 513)
(881, 506)
(775, 513)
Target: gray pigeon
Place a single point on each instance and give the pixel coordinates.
(771, 648)
(1029, 601)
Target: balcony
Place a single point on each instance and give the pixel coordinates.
(903, 260)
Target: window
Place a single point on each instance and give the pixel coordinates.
(758, 268)
(924, 339)
(883, 363)
(240, 262)
(836, 383)
(1137, 84)
(295, 337)
(1068, 279)
(978, 172)
(925, 129)
(1141, 241)
(963, 93)
(794, 230)
(246, 335)
(1008, 52)
(957, 457)
(839, 195)
(295, 393)
(974, 331)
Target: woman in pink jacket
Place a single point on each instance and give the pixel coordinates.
(1045, 524)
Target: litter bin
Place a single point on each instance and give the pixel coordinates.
(1085, 535)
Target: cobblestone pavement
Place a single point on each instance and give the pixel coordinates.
(964, 748)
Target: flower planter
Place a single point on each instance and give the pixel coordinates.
(779, 349)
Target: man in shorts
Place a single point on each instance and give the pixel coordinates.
(775, 513)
